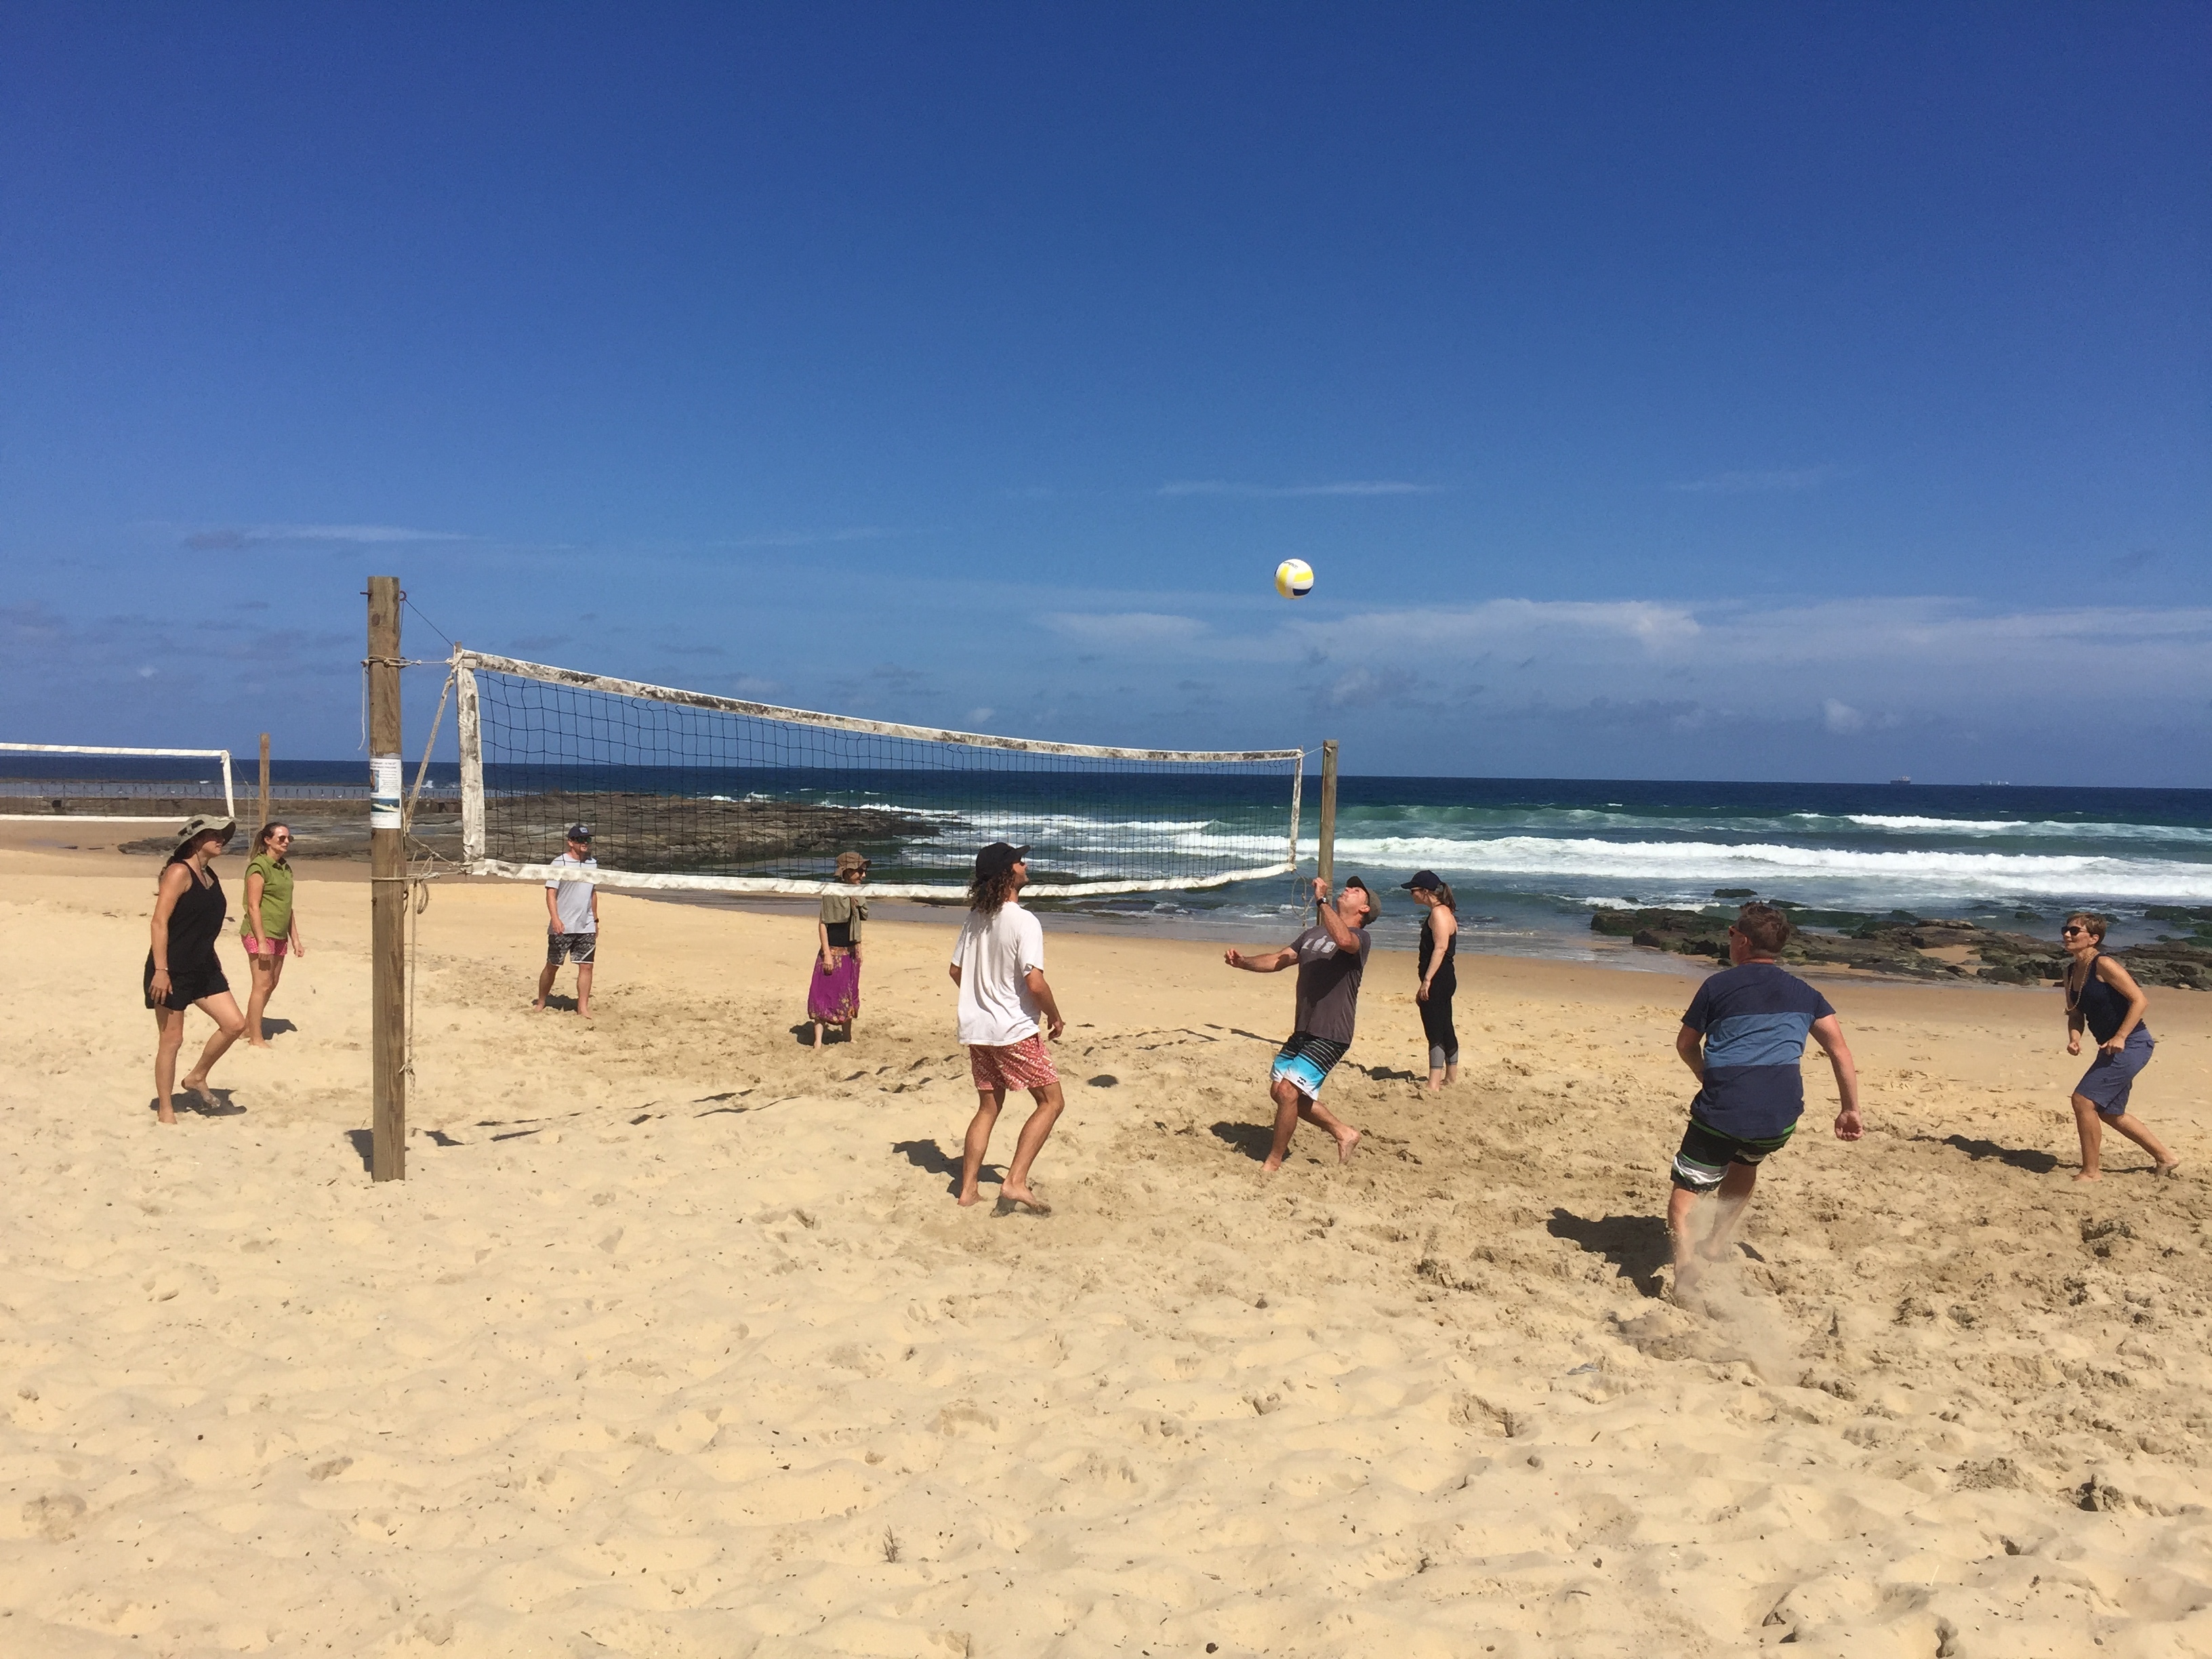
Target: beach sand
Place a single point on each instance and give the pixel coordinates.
(674, 1344)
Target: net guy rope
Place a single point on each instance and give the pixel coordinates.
(691, 792)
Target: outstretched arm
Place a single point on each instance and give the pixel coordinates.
(1828, 1032)
(1274, 962)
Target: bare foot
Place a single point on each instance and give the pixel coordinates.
(1687, 1273)
(2173, 1168)
(967, 1196)
(257, 1042)
(1009, 1202)
(164, 1114)
(1271, 1166)
(537, 1005)
(1346, 1143)
(2089, 1175)
(197, 1085)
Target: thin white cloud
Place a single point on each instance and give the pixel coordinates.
(1841, 718)
(1751, 483)
(222, 536)
(859, 532)
(1280, 492)
(1126, 629)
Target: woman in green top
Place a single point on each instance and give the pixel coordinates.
(269, 930)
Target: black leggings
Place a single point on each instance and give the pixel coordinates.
(1436, 1021)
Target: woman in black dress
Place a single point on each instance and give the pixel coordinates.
(1439, 980)
(182, 970)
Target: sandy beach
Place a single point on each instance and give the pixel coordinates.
(674, 1344)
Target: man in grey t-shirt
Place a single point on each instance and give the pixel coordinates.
(1331, 957)
(571, 921)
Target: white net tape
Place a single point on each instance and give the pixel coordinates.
(684, 791)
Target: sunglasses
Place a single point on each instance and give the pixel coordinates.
(280, 838)
(2068, 933)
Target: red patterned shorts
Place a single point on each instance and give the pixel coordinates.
(1023, 1065)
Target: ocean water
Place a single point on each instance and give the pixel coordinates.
(1528, 858)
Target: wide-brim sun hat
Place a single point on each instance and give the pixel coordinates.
(850, 861)
(205, 824)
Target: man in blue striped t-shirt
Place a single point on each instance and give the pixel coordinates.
(1744, 1035)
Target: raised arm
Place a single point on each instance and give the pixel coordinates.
(1345, 938)
(1828, 1032)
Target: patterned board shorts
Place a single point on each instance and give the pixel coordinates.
(583, 948)
(1306, 1061)
(1023, 1065)
(1706, 1154)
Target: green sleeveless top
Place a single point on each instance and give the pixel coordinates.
(276, 895)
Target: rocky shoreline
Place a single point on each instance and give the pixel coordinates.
(1908, 946)
(634, 831)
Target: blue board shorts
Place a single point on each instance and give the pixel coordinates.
(2109, 1076)
(1307, 1060)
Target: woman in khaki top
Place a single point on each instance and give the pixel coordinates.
(269, 931)
(833, 992)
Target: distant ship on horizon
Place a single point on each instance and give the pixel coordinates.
(1900, 780)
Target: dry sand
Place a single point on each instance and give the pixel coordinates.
(674, 1343)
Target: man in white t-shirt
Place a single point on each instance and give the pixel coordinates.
(571, 921)
(998, 962)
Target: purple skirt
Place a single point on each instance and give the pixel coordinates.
(834, 997)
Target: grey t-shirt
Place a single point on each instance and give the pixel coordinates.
(1328, 983)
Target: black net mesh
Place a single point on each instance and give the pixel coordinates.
(669, 788)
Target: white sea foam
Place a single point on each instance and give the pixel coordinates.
(1763, 864)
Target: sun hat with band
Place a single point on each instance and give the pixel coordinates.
(205, 824)
(851, 862)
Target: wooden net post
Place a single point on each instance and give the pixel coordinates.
(387, 888)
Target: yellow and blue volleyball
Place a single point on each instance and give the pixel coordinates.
(1294, 578)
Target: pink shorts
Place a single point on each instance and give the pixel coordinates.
(269, 947)
(1023, 1065)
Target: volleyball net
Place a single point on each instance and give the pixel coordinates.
(119, 786)
(684, 790)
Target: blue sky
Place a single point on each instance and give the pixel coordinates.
(1714, 391)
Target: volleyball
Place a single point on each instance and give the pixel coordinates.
(1294, 578)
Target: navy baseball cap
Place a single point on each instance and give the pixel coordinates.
(998, 858)
(1425, 879)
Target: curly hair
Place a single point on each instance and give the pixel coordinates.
(988, 895)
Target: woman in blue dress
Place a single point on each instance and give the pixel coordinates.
(2104, 996)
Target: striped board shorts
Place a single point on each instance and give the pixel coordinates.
(1706, 1153)
(1306, 1061)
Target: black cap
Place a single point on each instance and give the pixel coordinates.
(579, 832)
(998, 858)
(1425, 879)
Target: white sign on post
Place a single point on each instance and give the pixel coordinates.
(384, 792)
